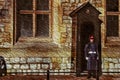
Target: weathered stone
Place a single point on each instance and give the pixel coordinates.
(13, 70)
(38, 66)
(72, 1)
(7, 60)
(24, 66)
(61, 72)
(45, 66)
(55, 72)
(46, 60)
(22, 60)
(16, 66)
(65, 60)
(33, 66)
(111, 65)
(116, 66)
(66, 21)
(31, 60)
(19, 71)
(25, 72)
(9, 66)
(41, 72)
(14, 60)
(63, 66)
(115, 60)
(38, 59)
(67, 71)
(69, 65)
(51, 66)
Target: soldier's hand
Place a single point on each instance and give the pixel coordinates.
(86, 58)
(97, 58)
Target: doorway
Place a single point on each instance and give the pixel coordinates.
(87, 29)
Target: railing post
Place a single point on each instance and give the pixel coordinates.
(48, 75)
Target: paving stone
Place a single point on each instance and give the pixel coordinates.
(68, 77)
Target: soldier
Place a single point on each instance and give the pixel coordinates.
(91, 55)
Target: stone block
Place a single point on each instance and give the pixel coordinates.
(24, 66)
(31, 60)
(13, 70)
(72, 1)
(14, 60)
(61, 72)
(38, 66)
(8, 70)
(66, 21)
(51, 66)
(35, 71)
(115, 60)
(19, 71)
(33, 66)
(69, 65)
(111, 65)
(64, 60)
(22, 60)
(9, 66)
(38, 59)
(25, 72)
(16, 66)
(7, 60)
(67, 72)
(63, 66)
(56, 72)
(117, 66)
(63, 0)
(41, 72)
(47, 60)
(67, 8)
(45, 66)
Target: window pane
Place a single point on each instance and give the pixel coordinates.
(112, 26)
(42, 4)
(42, 25)
(24, 4)
(112, 5)
(26, 26)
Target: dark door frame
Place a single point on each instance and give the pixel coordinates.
(80, 67)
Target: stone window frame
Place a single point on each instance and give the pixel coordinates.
(40, 38)
(112, 13)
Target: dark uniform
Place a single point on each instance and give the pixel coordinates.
(91, 55)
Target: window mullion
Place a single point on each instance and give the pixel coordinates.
(34, 18)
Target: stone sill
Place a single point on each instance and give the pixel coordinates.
(35, 39)
(113, 41)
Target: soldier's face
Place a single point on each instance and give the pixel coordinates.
(91, 40)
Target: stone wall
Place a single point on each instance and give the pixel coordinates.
(5, 21)
(111, 65)
(61, 24)
(67, 7)
(34, 65)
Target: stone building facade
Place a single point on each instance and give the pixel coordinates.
(30, 55)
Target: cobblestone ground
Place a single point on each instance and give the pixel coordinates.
(29, 77)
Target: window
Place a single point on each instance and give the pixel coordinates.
(112, 18)
(32, 19)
